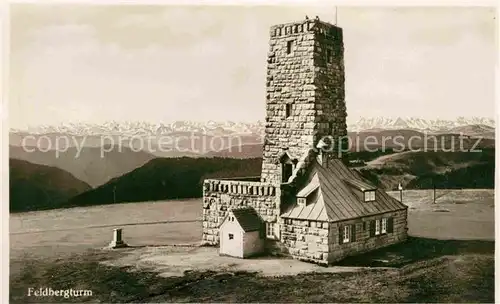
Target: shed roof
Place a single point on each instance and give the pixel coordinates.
(360, 184)
(248, 219)
(336, 200)
(310, 187)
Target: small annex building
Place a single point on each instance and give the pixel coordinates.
(241, 233)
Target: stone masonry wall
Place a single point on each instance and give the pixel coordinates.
(301, 73)
(306, 240)
(220, 196)
(363, 241)
(331, 112)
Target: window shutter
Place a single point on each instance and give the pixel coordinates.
(353, 233)
(372, 228)
(341, 234)
(390, 225)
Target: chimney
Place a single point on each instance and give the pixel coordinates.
(322, 154)
(322, 158)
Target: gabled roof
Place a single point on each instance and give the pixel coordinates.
(336, 200)
(248, 219)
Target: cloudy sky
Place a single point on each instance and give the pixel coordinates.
(165, 63)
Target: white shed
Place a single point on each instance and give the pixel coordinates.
(241, 233)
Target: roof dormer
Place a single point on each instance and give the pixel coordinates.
(368, 190)
(308, 191)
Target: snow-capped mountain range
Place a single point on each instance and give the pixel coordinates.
(415, 123)
(141, 128)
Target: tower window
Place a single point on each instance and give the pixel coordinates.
(287, 171)
(329, 55)
(289, 45)
(288, 110)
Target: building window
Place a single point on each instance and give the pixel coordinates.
(231, 236)
(347, 234)
(288, 110)
(377, 227)
(270, 232)
(384, 225)
(289, 45)
(369, 196)
(329, 56)
(301, 201)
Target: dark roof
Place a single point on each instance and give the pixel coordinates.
(336, 200)
(248, 219)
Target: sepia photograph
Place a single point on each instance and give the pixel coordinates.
(237, 153)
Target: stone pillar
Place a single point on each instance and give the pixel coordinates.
(117, 241)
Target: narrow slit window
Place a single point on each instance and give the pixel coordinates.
(329, 56)
(289, 45)
(288, 110)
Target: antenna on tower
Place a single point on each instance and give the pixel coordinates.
(336, 15)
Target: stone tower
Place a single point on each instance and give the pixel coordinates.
(305, 99)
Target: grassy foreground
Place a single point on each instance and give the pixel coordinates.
(436, 271)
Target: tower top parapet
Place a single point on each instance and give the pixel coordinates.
(305, 26)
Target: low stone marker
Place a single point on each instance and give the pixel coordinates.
(117, 241)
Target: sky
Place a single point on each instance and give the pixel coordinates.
(71, 63)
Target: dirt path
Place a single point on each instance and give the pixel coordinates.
(175, 261)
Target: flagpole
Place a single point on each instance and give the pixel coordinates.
(336, 16)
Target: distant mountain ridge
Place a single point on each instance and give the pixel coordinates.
(38, 187)
(88, 166)
(226, 128)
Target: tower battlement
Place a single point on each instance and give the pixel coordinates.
(306, 26)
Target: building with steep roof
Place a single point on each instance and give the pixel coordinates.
(241, 233)
(313, 206)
